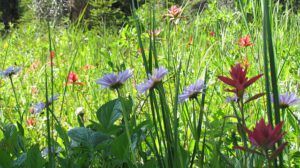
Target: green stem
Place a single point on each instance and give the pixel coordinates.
(16, 98)
(126, 125)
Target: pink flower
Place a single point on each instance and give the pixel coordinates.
(212, 34)
(174, 13)
(245, 41)
(31, 122)
(73, 79)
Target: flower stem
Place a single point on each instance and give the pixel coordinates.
(126, 125)
(16, 98)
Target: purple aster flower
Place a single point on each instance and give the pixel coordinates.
(10, 71)
(231, 99)
(114, 81)
(38, 108)
(155, 78)
(192, 91)
(287, 100)
(53, 98)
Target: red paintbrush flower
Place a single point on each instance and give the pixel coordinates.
(52, 54)
(264, 136)
(212, 34)
(245, 41)
(239, 80)
(31, 122)
(73, 79)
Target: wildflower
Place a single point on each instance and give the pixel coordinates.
(88, 67)
(245, 41)
(34, 65)
(114, 81)
(79, 111)
(40, 106)
(286, 100)
(264, 136)
(53, 98)
(52, 54)
(31, 122)
(239, 80)
(34, 90)
(174, 13)
(230, 99)
(73, 79)
(153, 80)
(191, 41)
(245, 62)
(10, 71)
(212, 34)
(37, 108)
(192, 91)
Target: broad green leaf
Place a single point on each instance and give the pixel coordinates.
(63, 135)
(34, 158)
(108, 113)
(5, 160)
(120, 147)
(87, 137)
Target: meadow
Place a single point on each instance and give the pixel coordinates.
(172, 87)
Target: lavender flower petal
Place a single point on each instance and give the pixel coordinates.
(155, 78)
(191, 91)
(114, 81)
(10, 71)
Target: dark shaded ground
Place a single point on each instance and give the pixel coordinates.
(10, 12)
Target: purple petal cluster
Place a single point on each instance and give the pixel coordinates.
(154, 79)
(230, 99)
(287, 100)
(40, 106)
(114, 81)
(192, 91)
(10, 71)
(53, 98)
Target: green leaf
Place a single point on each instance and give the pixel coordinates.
(21, 129)
(108, 113)
(34, 157)
(5, 160)
(63, 135)
(20, 160)
(87, 137)
(120, 147)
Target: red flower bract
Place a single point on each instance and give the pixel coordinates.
(73, 78)
(245, 41)
(212, 33)
(31, 122)
(238, 80)
(264, 136)
(52, 54)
